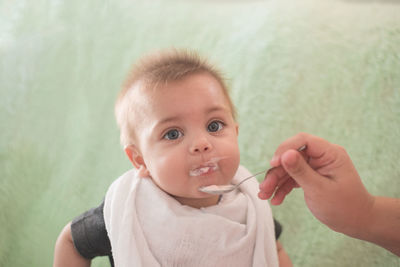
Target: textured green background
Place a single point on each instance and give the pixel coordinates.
(330, 68)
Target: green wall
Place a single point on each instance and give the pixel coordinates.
(330, 68)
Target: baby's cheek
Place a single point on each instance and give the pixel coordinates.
(169, 168)
(235, 153)
(165, 162)
(231, 167)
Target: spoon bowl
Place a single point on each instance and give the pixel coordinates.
(222, 189)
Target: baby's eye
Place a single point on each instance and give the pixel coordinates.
(172, 134)
(215, 126)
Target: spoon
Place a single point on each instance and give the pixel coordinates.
(222, 189)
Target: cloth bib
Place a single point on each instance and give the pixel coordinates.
(148, 227)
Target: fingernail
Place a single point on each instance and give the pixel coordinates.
(291, 159)
(274, 202)
(262, 195)
(274, 161)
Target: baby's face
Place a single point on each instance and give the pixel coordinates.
(187, 137)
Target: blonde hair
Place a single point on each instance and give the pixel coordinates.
(158, 69)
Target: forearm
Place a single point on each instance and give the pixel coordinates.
(65, 254)
(283, 257)
(383, 225)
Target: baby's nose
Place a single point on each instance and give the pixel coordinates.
(200, 146)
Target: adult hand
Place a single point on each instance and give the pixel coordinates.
(333, 190)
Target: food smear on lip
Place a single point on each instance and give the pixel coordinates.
(211, 165)
(203, 169)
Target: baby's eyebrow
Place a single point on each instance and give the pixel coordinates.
(217, 108)
(168, 119)
(178, 118)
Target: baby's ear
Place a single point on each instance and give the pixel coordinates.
(136, 158)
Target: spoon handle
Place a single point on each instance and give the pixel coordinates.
(267, 170)
(251, 176)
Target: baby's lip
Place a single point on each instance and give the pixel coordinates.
(203, 168)
(210, 165)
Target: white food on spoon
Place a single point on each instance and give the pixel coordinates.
(217, 189)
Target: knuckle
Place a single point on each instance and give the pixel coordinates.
(302, 135)
(340, 149)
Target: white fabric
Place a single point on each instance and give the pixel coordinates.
(147, 227)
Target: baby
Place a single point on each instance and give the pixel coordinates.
(178, 128)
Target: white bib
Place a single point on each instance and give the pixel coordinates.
(148, 227)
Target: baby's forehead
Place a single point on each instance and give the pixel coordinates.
(146, 93)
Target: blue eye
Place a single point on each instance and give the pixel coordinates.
(215, 126)
(172, 134)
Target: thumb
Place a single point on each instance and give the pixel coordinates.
(299, 170)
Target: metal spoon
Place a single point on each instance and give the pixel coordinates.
(222, 189)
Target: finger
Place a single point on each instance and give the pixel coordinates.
(272, 180)
(331, 155)
(300, 171)
(283, 180)
(283, 191)
(316, 147)
(262, 195)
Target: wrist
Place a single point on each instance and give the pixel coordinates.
(365, 222)
(381, 223)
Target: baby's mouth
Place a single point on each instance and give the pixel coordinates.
(203, 169)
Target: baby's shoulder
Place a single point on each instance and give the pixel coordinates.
(124, 182)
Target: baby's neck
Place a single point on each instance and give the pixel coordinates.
(198, 203)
